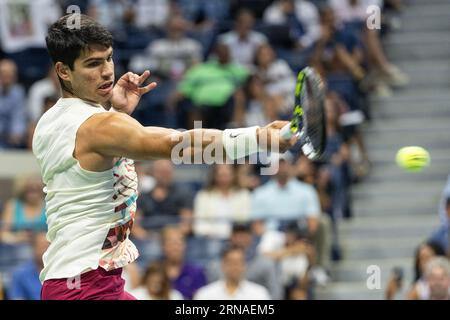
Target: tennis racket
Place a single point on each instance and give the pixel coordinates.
(308, 119)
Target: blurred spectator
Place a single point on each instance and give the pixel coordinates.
(185, 277)
(301, 18)
(323, 240)
(221, 203)
(12, 107)
(131, 273)
(337, 51)
(257, 7)
(170, 56)
(212, 89)
(49, 101)
(24, 23)
(109, 13)
(260, 269)
(278, 78)
(337, 154)
(284, 199)
(295, 255)
(437, 275)
(424, 254)
(39, 91)
(204, 14)
(247, 176)
(353, 14)
(441, 235)
(261, 107)
(25, 212)
(25, 283)
(234, 286)
(153, 13)
(348, 124)
(167, 202)
(206, 18)
(156, 285)
(145, 176)
(243, 40)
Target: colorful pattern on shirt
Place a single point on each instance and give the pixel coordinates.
(117, 248)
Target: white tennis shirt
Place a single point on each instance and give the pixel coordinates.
(89, 214)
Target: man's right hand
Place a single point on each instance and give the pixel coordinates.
(270, 135)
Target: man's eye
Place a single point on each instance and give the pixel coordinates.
(94, 64)
(109, 58)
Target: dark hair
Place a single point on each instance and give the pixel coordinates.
(65, 42)
(158, 268)
(435, 247)
(211, 181)
(229, 249)
(241, 227)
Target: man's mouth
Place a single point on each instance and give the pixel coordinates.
(106, 87)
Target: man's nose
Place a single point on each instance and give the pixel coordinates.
(108, 71)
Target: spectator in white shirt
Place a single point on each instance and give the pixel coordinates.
(39, 91)
(220, 204)
(233, 286)
(243, 41)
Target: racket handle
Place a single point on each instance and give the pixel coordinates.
(285, 132)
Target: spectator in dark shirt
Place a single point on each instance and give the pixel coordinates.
(12, 107)
(167, 202)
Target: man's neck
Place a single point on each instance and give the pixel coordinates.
(66, 94)
(282, 182)
(231, 286)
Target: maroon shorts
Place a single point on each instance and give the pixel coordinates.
(92, 285)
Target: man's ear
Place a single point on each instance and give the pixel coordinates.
(63, 71)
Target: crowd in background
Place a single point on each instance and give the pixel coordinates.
(227, 63)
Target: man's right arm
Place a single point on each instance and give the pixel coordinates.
(114, 134)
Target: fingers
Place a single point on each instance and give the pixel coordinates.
(147, 88)
(278, 124)
(143, 76)
(136, 79)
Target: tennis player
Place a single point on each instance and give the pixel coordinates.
(84, 145)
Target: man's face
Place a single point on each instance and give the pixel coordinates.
(439, 283)
(163, 172)
(92, 77)
(242, 239)
(233, 265)
(8, 73)
(174, 245)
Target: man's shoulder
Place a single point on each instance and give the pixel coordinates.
(208, 290)
(266, 187)
(258, 291)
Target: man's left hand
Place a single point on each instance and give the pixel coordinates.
(128, 91)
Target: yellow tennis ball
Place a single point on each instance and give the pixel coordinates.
(413, 158)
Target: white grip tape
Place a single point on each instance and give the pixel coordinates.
(285, 132)
(240, 142)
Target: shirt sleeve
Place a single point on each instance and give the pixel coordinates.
(312, 203)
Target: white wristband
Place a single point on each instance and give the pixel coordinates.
(240, 142)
